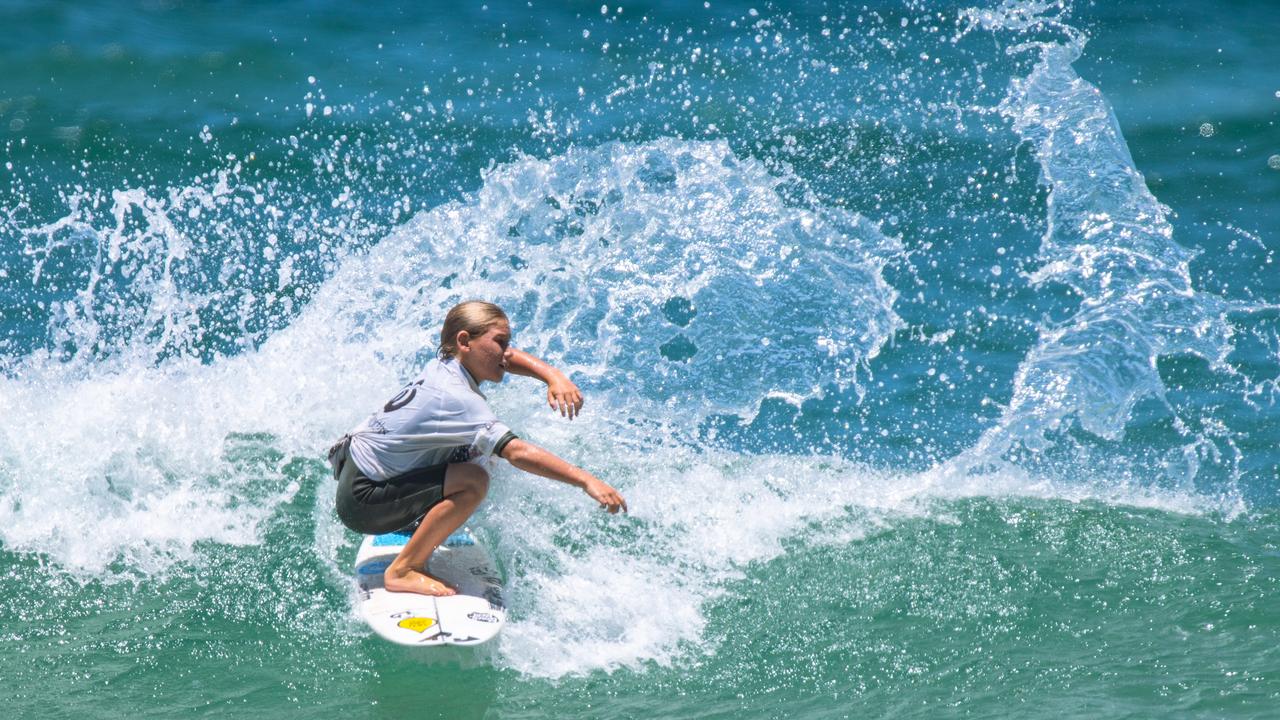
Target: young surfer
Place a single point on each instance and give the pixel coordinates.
(423, 455)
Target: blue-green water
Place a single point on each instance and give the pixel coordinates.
(936, 348)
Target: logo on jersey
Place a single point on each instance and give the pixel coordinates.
(402, 398)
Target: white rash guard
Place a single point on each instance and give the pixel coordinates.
(440, 417)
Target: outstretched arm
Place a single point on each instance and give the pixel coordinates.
(533, 459)
(562, 394)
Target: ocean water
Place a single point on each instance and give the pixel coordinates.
(935, 346)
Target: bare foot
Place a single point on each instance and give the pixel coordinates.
(415, 581)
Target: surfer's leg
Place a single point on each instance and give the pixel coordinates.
(465, 485)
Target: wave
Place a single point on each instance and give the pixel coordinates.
(686, 273)
(220, 334)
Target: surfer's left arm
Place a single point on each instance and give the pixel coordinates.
(562, 393)
(536, 460)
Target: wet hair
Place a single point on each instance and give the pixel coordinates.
(473, 316)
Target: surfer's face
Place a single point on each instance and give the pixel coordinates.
(485, 356)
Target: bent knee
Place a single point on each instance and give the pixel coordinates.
(467, 477)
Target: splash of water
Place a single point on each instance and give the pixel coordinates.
(649, 270)
(676, 265)
(1110, 241)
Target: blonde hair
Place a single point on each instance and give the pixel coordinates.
(473, 316)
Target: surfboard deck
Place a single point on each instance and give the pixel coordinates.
(472, 617)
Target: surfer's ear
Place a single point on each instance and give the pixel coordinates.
(463, 340)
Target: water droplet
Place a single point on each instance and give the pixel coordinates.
(678, 349)
(1273, 162)
(679, 311)
(1206, 130)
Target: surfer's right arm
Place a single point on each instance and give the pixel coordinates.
(533, 459)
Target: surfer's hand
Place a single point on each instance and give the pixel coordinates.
(604, 494)
(564, 396)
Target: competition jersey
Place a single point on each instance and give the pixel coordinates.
(440, 417)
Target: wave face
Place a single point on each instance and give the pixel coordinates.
(915, 380)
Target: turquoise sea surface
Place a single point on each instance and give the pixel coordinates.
(935, 346)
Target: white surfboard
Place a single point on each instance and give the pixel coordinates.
(472, 617)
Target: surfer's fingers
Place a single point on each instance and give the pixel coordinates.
(553, 399)
(568, 403)
(613, 503)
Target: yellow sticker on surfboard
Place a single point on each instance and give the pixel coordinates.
(417, 624)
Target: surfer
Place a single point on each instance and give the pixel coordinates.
(422, 457)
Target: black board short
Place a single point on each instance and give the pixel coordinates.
(372, 507)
